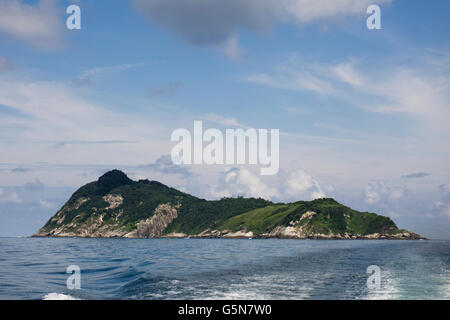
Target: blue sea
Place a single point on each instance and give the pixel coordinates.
(35, 268)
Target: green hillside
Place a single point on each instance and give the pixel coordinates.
(116, 206)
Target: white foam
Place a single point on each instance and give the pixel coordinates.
(58, 296)
(390, 289)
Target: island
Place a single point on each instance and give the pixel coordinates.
(115, 206)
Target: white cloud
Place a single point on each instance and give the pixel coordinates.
(53, 123)
(231, 48)
(299, 182)
(379, 192)
(12, 197)
(37, 25)
(372, 195)
(306, 11)
(46, 204)
(121, 67)
(297, 77)
(240, 181)
(294, 186)
(396, 193)
(420, 93)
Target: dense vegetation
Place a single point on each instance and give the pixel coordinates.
(139, 199)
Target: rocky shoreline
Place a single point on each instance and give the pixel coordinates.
(115, 206)
(244, 235)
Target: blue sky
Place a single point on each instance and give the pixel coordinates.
(363, 114)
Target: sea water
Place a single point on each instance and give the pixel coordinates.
(36, 268)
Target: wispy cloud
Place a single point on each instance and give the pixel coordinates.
(85, 77)
(416, 175)
(419, 92)
(121, 67)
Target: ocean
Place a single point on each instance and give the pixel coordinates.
(36, 268)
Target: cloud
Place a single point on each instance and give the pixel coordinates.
(216, 22)
(34, 186)
(49, 114)
(231, 48)
(164, 164)
(208, 22)
(293, 186)
(46, 204)
(242, 182)
(299, 182)
(420, 93)
(416, 175)
(379, 192)
(307, 11)
(36, 25)
(12, 197)
(85, 77)
(292, 79)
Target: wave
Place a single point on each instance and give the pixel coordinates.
(58, 296)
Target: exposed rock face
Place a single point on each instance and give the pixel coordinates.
(155, 225)
(113, 200)
(116, 206)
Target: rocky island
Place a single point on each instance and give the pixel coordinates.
(116, 206)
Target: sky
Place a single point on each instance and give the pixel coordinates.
(364, 115)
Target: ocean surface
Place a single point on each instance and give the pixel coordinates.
(35, 268)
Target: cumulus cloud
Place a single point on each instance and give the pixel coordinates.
(293, 186)
(242, 182)
(379, 192)
(299, 182)
(38, 25)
